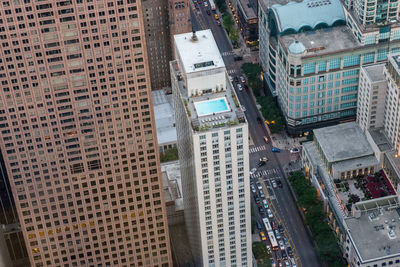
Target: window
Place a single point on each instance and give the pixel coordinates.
(369, 57)
(334, 63)
(309, 68)
(322, 65)
(351, 60)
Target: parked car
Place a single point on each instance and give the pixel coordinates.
(274, 149)
(280, 228)
(238, 58)
(273, 264)
(259, 186)
(266, 139)
(262, 194)
(287, 264)
(269, 213)
(265, 202)
(239, 86)
(216, 16)
(253, 189)
(259, 225)
(294, 150)
(218, 22)
(208, 12)
(243, 108)
(256, 198)
(236, 79)
(242, 79)
(230, 78)
(279, 182)
(260, 209)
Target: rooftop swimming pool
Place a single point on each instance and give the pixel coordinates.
(213, 106)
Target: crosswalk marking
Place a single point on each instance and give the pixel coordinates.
(228, 53)
(231, 71)
(256, 149)
(268, 172)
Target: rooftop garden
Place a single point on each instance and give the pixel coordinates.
(364, 187)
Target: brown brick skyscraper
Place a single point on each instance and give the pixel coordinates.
(78, 135)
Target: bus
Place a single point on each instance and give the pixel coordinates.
(272, 240)
(267, 225)
(212, 5)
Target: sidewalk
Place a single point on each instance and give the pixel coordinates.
(283, 141)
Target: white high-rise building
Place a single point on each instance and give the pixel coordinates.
(213, 150)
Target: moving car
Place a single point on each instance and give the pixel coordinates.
(278, 255)
(262, 161)
(277, 234)
(265, 203)
(253, 171)
(287, 264)
(242, 79)
(281, 245)
(266, 139)
(238, 58)
(285, 241)
(274, 184)
(262, 235)
(294, 150)
(284, 255)
(289, 251)
(218, 22)
(216, 16)
(243, 108)
(273, 263)
(269, 212)
(259, 186)
(274, 149)
(273, 225)
(280, 228)
(279, 182)
(230, 78)
(293, 262)
(205, 4)
(239, 86)
(208, 12)
(259, 120)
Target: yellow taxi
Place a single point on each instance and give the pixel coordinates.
(216, 16)
(262, 235)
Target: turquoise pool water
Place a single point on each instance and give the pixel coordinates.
(209, 107)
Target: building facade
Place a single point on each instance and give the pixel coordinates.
(78, 136)
(163, 19)
(213, 150)
(312, 61)
(371, 96)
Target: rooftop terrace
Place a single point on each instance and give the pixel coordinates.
(342, 142)
(209, 116)
(323, 41)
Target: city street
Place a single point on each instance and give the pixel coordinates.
(280, 199)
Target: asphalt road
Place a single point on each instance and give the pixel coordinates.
(281, 200)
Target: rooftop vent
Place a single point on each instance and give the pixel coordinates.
(194, 37)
